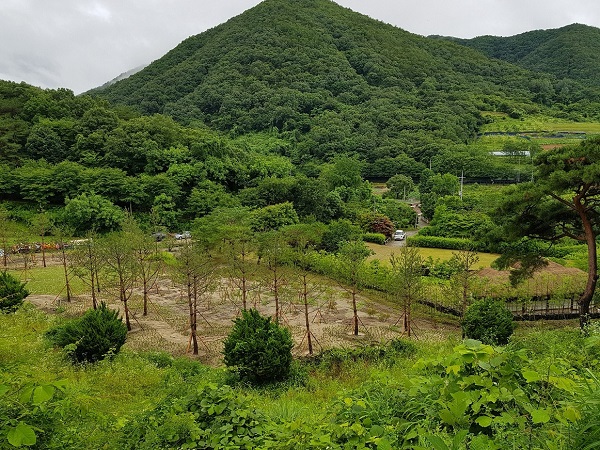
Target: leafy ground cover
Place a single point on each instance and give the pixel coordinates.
(537, 392)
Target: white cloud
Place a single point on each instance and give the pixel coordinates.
(80, 44)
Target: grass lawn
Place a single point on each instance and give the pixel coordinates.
(48, 281)
(383, 253)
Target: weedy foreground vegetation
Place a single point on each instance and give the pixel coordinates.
(539, 391)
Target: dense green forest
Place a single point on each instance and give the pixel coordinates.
(285, 140)
(568, 53)
(332, 81)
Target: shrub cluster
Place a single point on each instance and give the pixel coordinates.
(258, 350)
(444, 242)
(488, 321)
(375, 238)
(12, 292)
(97, 334)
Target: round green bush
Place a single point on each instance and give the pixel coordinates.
(258, 350)
(97, 334)
(488, 321)
(12, 292)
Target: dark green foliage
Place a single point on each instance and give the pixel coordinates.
(12, 292)
(567, 52)
(337, 233)
(488, 321)
(331, 79)
(97, 334)
(258, 350)
(92, 213)
(375, 238)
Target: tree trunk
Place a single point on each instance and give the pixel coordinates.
(43, 252)
(145, 283)
(64, 261)
(94, 300)
(276, 294)
(305, 297)
(192, 314)
(355, 310)
(124, 300)
(590, 286)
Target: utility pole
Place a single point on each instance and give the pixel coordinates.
(462, 180)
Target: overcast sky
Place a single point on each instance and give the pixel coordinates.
(81, 44)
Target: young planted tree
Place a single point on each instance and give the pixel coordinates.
(464, 261)
(121, 266)
(41, 224)
(63, 234)
(274, 252)
(195, 268)
(303, 239)
(405, 282)
(240, 246)
(350, 267)
(146, 257)
(87, 262)
(563, 202)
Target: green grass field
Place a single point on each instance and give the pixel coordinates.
(538, 123)
(48, 281)
(383, 253)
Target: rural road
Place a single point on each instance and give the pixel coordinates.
(402, 243)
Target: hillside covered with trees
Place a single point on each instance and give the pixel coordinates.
(264, 137)
(568, 53)
(331, 81)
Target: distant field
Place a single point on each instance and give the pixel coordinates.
(383, 253)
(504, 123)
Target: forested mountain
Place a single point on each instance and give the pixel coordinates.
(290, 102)
(569, 52)
(333, 81)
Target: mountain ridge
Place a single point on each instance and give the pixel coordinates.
(566, 52)
(335, 81)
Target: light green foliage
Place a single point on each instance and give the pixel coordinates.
(163, 212)
(92, 212)
(273, 217)
(494, 393)
(400, 186)
(209, 417)
(23, 411)
(400, 213)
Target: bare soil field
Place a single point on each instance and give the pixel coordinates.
(166, 327)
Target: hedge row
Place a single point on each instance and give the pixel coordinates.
(444, 242)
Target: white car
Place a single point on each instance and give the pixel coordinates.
(399, 235)
(183, 235)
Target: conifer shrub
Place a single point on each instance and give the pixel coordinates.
(12, 292)
(488, 321)
(97, 334)
(258, 350)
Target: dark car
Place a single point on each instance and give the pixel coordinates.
(159, 236)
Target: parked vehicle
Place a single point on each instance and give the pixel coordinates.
(159, 236)
(183, 235)
(399, 235)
